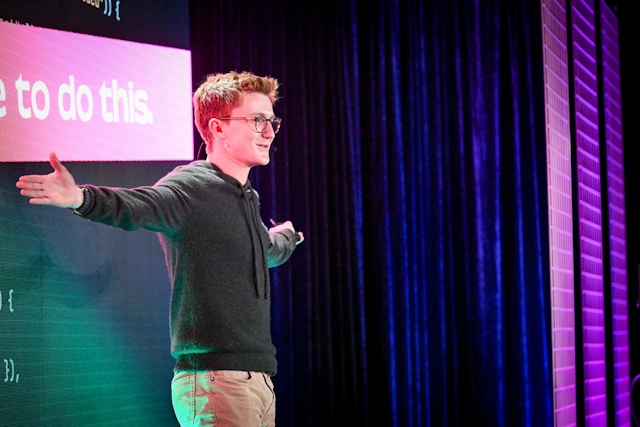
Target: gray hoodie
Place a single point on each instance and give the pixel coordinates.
(218, 253)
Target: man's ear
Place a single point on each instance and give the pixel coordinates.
(215, 127)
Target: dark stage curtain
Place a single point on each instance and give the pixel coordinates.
(412, 156)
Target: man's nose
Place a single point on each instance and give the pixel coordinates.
(268, 131)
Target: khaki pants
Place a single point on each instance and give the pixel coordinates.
(223, 399)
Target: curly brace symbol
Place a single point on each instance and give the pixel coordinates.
(9, 300)
(108, 8)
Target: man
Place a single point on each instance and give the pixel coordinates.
(216, 247)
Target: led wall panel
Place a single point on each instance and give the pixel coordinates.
(583, 116)
(589, 210)
(558, 132)
(84, 308)
(616, 210)
(90, 98)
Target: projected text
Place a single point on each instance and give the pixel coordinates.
(77, 103)
(10, 375)
(91, 98)
(9, 304)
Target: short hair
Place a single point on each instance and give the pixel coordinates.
(221, 93)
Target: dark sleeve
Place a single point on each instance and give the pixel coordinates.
(281, 246)
(162, 208)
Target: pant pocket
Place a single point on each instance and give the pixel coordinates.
(183, 397)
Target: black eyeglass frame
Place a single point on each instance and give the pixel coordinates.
(259, 121)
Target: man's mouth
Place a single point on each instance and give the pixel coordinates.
(264, 147)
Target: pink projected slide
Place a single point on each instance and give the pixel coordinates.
(91, 98)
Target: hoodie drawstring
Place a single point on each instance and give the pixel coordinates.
(259, 257)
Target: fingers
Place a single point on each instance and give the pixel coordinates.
(31, 188)
(37, 195)
(40, 201)
(32, 184)
(28, 179)
(31, 192)
(55, 163)
(287, 225)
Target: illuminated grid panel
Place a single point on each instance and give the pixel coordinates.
(589, 212)
(617, 220)
(558, 133)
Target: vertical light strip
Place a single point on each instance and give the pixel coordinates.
(558, 133)
(585, 80)
(617, 220)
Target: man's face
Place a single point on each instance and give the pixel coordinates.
(248, 148)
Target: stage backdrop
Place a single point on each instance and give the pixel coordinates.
(412, 155)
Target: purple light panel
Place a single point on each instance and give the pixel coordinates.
(588, 142)
(91, 98)
(558, 132)
(585, 81)
(617, 220)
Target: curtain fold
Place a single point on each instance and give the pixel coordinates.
(412, 157)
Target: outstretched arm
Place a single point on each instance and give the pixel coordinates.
(56, 189)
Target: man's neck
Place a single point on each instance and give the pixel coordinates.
(229, 167)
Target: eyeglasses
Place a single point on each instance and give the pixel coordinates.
(259, 122)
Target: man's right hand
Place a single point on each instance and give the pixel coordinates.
(56, 189)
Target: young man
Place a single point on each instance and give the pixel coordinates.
(217, 250)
